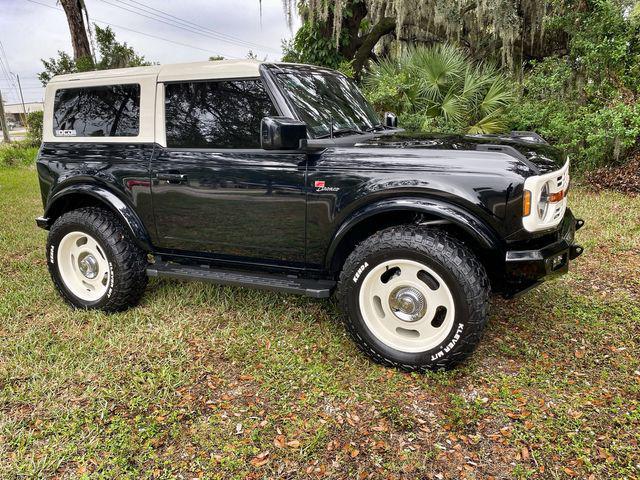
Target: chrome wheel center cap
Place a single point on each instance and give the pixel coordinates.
(88, 266)
(408, 304)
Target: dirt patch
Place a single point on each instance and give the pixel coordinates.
(623, 178)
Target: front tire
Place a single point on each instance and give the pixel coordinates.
(414, 298)
(93, 261)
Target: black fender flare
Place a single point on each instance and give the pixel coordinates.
(125, 212)
(481, 233)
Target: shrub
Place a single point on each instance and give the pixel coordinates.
(593, 136)
(34, 128)
(594, 125)
(440, 89)
(586, 101)
(17, 154)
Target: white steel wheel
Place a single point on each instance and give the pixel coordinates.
(407, 305)
(83, 266)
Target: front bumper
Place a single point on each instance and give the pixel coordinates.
(527, 268)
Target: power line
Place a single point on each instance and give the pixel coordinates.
(6, 70)
(175, 25)
(30, 88)
(30, 81)
(162, 38)
(199, 29)
(139, 32)
(222, 36)
(12, 87)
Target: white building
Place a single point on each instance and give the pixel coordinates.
(15, 111)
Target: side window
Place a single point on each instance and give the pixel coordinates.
(102, 111)
(224, 114)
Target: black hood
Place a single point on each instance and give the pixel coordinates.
(528, 147)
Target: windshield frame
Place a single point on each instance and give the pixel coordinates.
(273, 70)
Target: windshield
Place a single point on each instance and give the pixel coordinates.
(323, 98)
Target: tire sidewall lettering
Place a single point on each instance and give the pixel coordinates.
(359, 272)
(52, 260)
(111, 280)
(448, 345)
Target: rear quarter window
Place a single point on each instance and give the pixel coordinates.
(100, 111)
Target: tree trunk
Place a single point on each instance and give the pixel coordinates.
(367, 42)
(79, 40)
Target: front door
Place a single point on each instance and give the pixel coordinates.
(214, 190)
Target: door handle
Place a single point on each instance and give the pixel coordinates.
(172, 177)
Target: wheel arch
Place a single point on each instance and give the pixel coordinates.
(77, 196)
(479, 236)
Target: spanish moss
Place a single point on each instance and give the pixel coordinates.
(513, 29)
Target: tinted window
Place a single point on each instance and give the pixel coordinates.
(322, 99)
(104, 111)
(216, 114)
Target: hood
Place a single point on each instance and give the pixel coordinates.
(527, 147)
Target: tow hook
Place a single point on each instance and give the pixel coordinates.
(575, 251)
(579, 224)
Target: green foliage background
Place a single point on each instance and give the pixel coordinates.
(583, 98)
(441, 89)
(112, 54)
(587, 100)
(34, 128)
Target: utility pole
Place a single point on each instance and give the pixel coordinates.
(3, 122)
(24, 109)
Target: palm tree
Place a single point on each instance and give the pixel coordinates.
(442, 85)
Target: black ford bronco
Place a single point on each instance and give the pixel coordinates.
(282, 177)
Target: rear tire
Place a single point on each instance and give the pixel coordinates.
(414, 298)
(93, 261)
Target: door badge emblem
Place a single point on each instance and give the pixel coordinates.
(321, 186)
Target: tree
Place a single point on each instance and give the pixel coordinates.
(112, 54)
(74, 10)
(439, 88)
(336, 32)
(506, 31)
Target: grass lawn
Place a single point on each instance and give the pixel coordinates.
(219, 382)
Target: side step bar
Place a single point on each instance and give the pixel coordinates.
(264, 281)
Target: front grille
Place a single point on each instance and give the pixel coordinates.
(562, 182)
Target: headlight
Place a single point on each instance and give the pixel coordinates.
(543, 201)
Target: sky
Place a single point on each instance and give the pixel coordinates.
(34, 29)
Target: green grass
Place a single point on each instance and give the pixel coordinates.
(17, 153)
(201, 381)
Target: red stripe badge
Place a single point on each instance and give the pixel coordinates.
(319, 183)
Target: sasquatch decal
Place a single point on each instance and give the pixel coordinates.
(450, 345)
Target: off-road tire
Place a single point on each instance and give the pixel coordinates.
(127, 261)
(452, 260)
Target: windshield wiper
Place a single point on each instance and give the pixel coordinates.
(342, 131)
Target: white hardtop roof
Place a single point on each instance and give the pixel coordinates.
(172, 72)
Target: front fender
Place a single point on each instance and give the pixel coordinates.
(481, 233)
(112, 201)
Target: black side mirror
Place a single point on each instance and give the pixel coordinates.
(282, 133)
(390, 120)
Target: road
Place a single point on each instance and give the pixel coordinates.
(17, 134)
